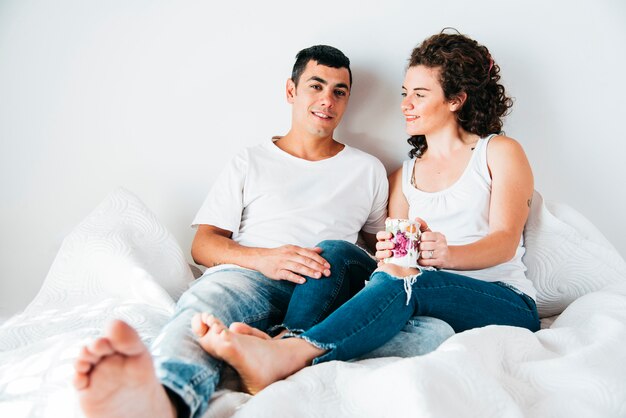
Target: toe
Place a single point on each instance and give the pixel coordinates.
(124, 339)
(100, 347)
(215, 325)
(82, 366)
(88, 356)
(245, 329)
(197, 326)
(81, 381)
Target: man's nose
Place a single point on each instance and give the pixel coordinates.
(328, 100)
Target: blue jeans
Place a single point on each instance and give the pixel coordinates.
(240, 295)
(233, 295)
(351, 266)
(381, 309)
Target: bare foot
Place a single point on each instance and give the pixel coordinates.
(115, 377)
(245, 329)
(259, 361)
(199, 327)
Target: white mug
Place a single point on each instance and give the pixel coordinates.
(406, 237)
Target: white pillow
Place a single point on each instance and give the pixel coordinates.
(566, 256)
(120, 250)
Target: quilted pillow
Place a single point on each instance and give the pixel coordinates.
(566, 256)
(119, 250)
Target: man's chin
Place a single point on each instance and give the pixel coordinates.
(321, 133)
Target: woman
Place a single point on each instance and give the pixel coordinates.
(469, 188)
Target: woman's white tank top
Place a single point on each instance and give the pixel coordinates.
(461, 213)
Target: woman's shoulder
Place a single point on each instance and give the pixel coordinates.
(505, 155)
(501, 146)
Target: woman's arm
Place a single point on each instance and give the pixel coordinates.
(398, 207)
(511, 193)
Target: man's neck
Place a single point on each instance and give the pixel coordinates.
(308, 147)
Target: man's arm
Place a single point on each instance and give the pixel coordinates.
(213, 246)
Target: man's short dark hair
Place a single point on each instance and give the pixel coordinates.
(324, 55)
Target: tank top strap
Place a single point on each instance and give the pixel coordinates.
(407, 175)
(480, 162)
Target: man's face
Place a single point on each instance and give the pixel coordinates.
(320, 99)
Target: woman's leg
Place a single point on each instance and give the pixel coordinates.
(314, 300)
(370, 319)
(381, 309)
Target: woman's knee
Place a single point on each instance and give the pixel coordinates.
(338, 251)
(336, 245)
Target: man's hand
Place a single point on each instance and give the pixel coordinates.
(291, 262)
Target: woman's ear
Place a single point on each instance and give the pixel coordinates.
(458, 101)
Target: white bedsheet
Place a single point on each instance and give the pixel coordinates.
(576, 367)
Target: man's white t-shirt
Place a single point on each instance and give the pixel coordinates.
(269, 198)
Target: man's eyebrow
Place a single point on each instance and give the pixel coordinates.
(324, 82)
(316, 78)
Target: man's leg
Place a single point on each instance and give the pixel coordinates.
(421, 335)
(119, 365)
(240, 295)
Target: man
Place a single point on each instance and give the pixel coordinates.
(256, 233)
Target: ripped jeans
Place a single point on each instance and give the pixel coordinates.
(351, 266)
(380, 310)
(191, 376)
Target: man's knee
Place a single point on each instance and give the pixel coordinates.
(429, 326)
(221, 289)
(421, 335)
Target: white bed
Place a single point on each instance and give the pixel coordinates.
(120, 262)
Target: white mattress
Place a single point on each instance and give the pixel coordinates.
(121, 263)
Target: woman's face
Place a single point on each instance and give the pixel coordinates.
(424, 105)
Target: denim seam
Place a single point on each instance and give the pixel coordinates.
(290, 332)
(344, 267)
(293, 333)
(317, 344)
(260, 316)
(532, 305)
(186, 392)
(273, 328)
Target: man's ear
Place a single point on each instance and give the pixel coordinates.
(291, 90)
(457, 102)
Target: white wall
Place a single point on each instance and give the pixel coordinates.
(155, 96)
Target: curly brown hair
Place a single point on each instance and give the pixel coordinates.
(465, 66)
